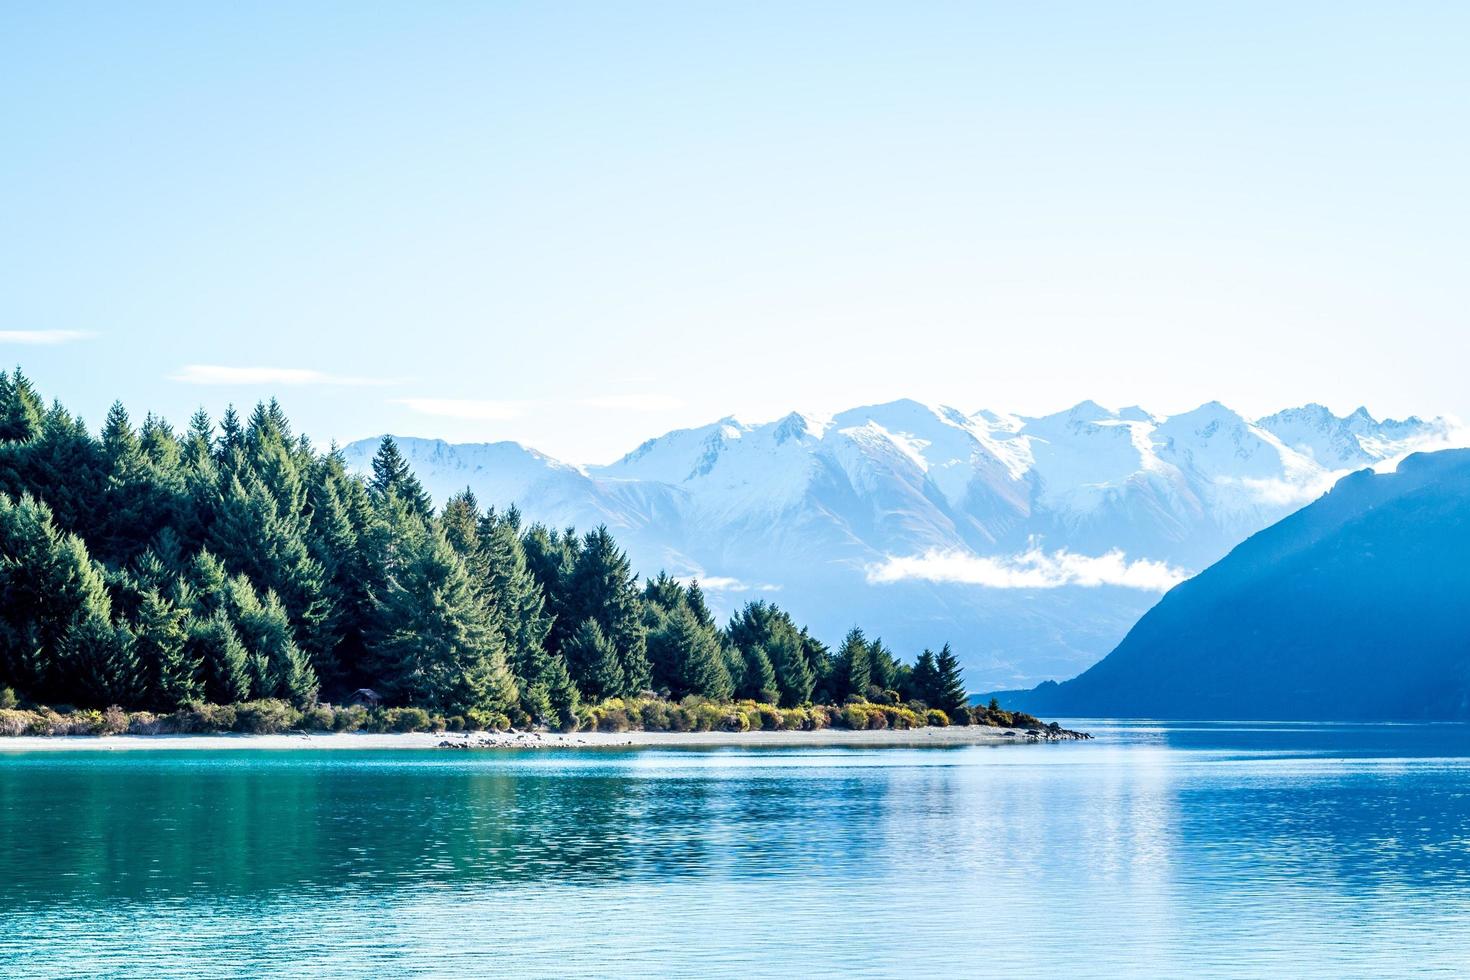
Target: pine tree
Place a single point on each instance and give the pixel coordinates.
(141, 496)
(687, 656)
(277, 666)
(102, 661)
(764, 625)
(30, 621)
(157, 443)
(461, 523)
(759, 681)
(594, 663)
(21, 408)
(224, 661)
(882, 666)
(734, 661)
(819, 662)
(63, 467)
(923, 683)
(392, 476)
(561, 693)
(949, 693)
(435, 645)
(257, 532)
(209, 583)
(694, 599)
(665, 592)
(339, 508)
(539, 674)
(793, 676)
(852, 669)
(551, 557)
(48, 581)
(604, 589)
(160, 642)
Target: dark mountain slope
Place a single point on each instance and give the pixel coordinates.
(1355, 607)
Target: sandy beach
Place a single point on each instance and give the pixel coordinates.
(826, 738)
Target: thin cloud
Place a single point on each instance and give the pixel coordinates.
(220, 374)
(494, 410)
(470, 409)
(1034, 569)
(44, 338)
(722, 583)
(633, 403)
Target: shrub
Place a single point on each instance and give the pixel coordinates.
(770, 717)
(487, 721)
(877, 719)
(734, 721)
(8, 700)
(406, 720)
(707, 717)
(853, 715)
(267, 716)
(197, 716)
(144, 723)
(350, 719)
(319, 719)
(936, 718)
(114, 721)
(612, 719)
(84, 722)
(656, 716)
(454, 723)
(14, 722)
(902, 718)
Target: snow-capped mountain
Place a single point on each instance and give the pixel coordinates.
(1030, 543)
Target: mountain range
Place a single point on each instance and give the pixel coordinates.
(1031, 544)
(1353, 608)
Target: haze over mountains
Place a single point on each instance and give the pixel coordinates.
(1031, 544)
(1352, 608)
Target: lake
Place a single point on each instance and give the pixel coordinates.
(1244, 849)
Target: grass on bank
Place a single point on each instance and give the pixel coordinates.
(651, 714)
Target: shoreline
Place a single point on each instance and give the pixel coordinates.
(953, 736)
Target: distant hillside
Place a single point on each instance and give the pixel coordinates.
(1033, 543)
(1355, 607)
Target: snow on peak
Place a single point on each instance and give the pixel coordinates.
(1357, 439)
(1175, 488)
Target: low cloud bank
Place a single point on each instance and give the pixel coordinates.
(43, 338)
(471, 409)
(223, 374)
(1034, 569)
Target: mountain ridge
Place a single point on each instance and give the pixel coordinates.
(829, 503)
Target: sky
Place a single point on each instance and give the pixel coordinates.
(579, 225)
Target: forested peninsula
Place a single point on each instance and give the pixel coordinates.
(233, 577)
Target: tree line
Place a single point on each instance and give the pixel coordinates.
(150, 568)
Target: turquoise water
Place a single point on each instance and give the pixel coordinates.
(1203, 850)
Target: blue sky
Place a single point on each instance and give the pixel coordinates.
(580, 224)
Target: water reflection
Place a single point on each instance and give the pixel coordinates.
(1226, 849)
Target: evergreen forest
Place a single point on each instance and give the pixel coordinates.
(234, 563)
